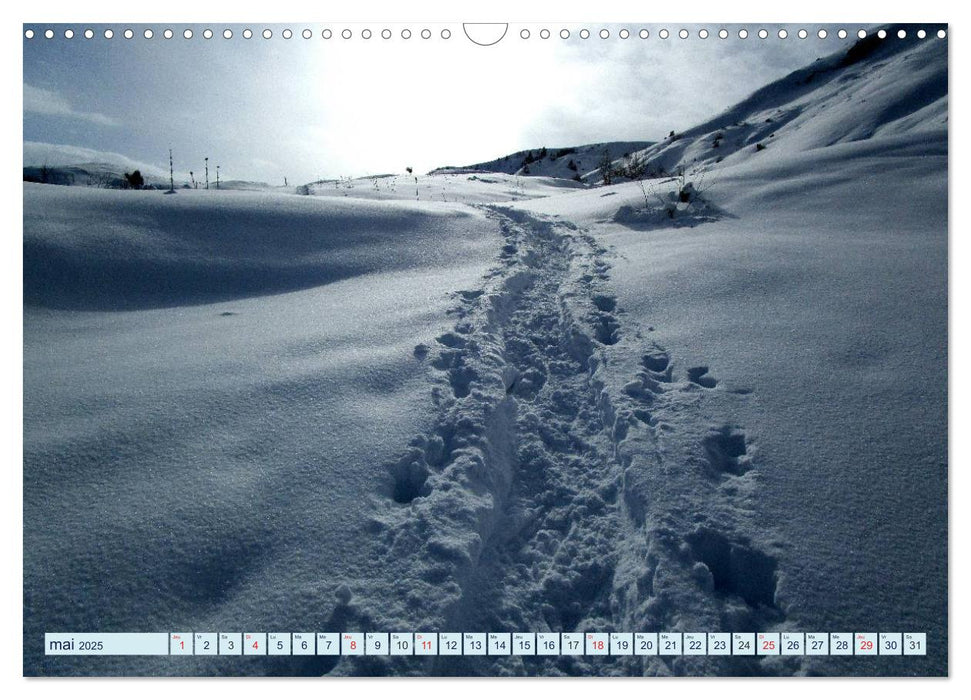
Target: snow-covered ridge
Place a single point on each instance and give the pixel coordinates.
(571, 162)
(105, 175)
(877, 88)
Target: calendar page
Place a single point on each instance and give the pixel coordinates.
(522, 348)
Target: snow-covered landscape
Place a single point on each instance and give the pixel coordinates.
(699, 387)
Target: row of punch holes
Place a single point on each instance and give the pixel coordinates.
(447, 34)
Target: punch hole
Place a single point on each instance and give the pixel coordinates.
(861, 34)
(941, 34)
(564, 33)
(803, 34)
(702, 33)
(584, 34)
(425, 34)
(89, 34)
(485, 33)
(902, 34)
(128, 33)
(524, 34)
(207, 34)
(763, 34)
(664, 33)
(49, 34)
(306, 34)
(326, 34)
(346, 34)
(446, 34)
(109, 34)
(187, 34)
(267, 33)
(643, 34)
(743, 34)
(227, 34)
(624, 34)
(405, 33)
(821, 33)
(366, 34)
(287, 34)
(168, 34)
(882, 34)
(29, 34)
(921, 34)
(841, 33)
(248, 34)
(783, 34)
(385, 34)
(544, 34)
(68, 33)
(148, 33)
(683, 34)
(604, 34)
(722, 33)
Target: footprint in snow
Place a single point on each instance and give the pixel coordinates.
(699, 375)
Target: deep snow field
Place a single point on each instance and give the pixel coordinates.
(508, 403)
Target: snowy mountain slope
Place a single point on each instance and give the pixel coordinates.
(878, 87)
(567, 162)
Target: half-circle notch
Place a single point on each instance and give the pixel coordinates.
(485, 33)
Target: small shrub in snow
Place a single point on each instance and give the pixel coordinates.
(520, 186)
(684, 202)
(135, 180)
(634, 167)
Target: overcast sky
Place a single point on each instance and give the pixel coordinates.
(319, 108)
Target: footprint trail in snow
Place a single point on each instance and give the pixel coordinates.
(553, 495)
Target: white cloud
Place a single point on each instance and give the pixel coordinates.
(40, 101)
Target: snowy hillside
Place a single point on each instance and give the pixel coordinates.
(876, 88)
(103, 175)
(442, 185)
(473, 401)
(569, 163)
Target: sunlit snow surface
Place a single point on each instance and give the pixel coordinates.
(488, 402)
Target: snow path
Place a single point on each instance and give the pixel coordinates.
(544, 501)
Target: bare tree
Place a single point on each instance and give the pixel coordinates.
(606, 167)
